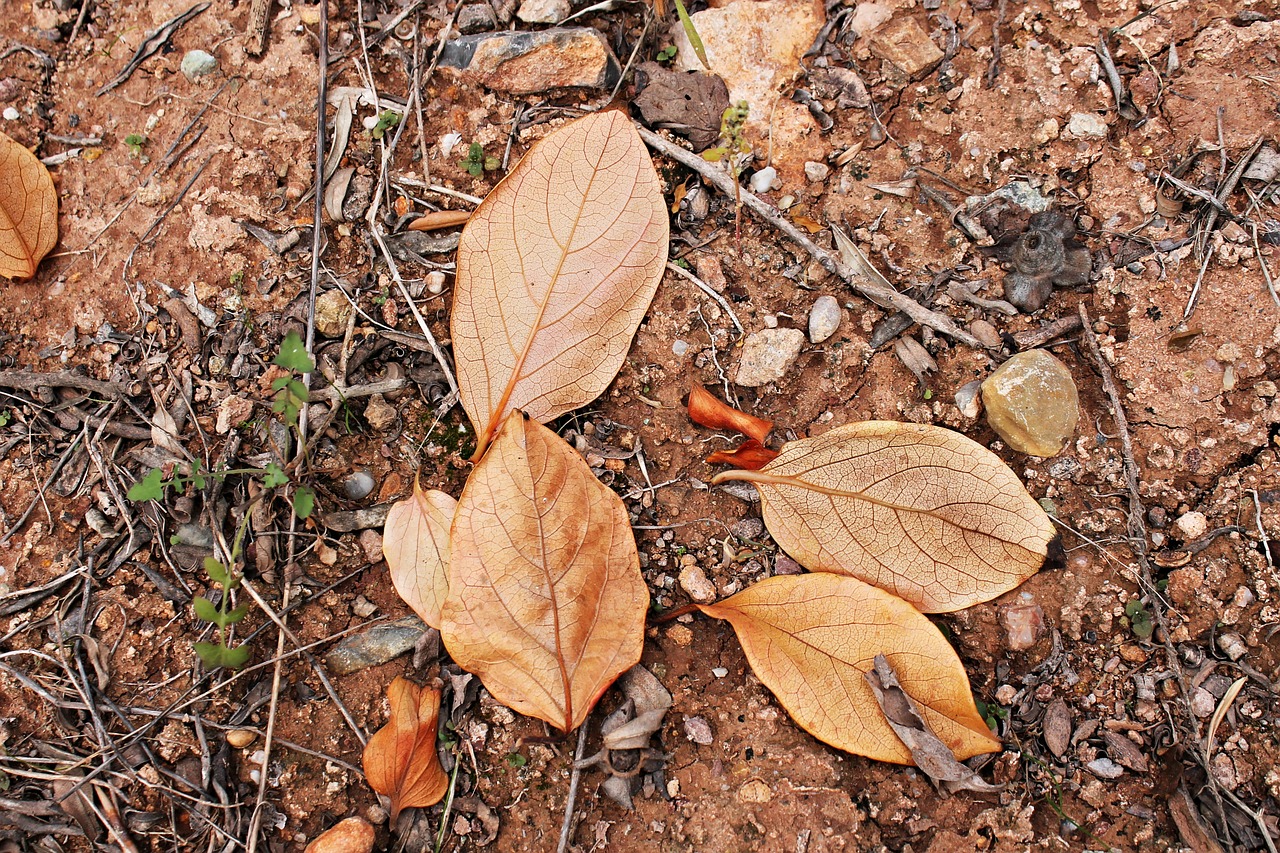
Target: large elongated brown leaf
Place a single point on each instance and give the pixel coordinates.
(917, 510)
(546, 602)
(556, 269)
(812, 638)
(400, 760)
(28, 210)
(415, 543)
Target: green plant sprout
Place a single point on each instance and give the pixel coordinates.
(1139, 619)
(667, 54)
(477, 163)
(134, 143)
(291, 395)
(387, 119)
(730, 151)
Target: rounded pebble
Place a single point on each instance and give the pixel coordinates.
(358, 484)
(240, 738)
(1192, 525)
(824, 318)
(333, 310)
(694, 581)
(1031, 402)
(766, 356)
(763, 180)
(698, 730)
(353, 835)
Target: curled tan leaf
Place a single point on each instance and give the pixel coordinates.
(28, 210)
(918, 510)
(546, 602)
(415, 543)
(556, 269)
(400, 760)
(751, 455)
(812, 638)
(707, 410)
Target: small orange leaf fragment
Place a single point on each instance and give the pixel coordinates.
(918, 510)
(400, 760)
(751, 455)
(706, 409)
(415, 543)
(812, 638)
(546, 601)
(438, 219)
(28, 210)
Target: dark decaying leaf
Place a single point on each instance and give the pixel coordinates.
(930, 754)
(689, 103)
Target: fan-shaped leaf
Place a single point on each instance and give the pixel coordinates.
(546, 602)
(400, 760)
(28, 210)
(812, 638)
(917, 510)
(415, 543)
(556, 269)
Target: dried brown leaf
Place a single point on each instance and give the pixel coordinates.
(415, 543)
(751, 455)
(28, 210)
(438, 219)
(400, 760)
(812, 638)
(546, 602)
(556, 269)
(1057, 727)
(708, 411)
(918, 510)
(928, 752)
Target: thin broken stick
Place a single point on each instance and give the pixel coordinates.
(721, 180)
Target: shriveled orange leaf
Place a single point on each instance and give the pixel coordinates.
(751, 455)
(914, 509)
(440, 219)
(556, 269)
(400, 760)
(546, 602)
(812, 638)
(706, 409)
(28, 210)
(415, 543)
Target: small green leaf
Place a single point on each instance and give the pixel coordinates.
(280, 383)
(667, 53)
(149, 488)
(207, 611)
(217, 572)
(275, 477)
(293, 354)
(214, 655)
(236, 615)
(304, 502)
(386, 120)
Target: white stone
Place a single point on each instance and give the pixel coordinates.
(1086, 126)
(544, 11)
(815, 171)
(767, 355)
(824, 318)
(1193, 525)
(763, 180)
(10, 114)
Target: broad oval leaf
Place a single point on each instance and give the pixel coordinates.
(556, 269)
(400, 760)
(917, 510)
(546, 602)
(28, 210)
(415, 543)
(812, 638)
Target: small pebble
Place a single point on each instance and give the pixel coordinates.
(1032, 403)
(363, 607)
(333, 310)
(1192, 525)
(544, 11)
(380, 414)
(1086, 126)
(194, 535)
(374, 646)
(435, 282)
(353, 835)
(698, 730)
(358, 484)
(371, 544)
(198, 63)
(719, 672)
(763, 180)
(967, 399)
(11, 114)
(985, 332)
(240, 738)
(815, 171)
(679, 348)
(1105, 768)
(767, 355)
(824, 318)
(1023, 625)
(694, 581)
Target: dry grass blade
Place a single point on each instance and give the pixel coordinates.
(918, 510)
(556, 269)
(1220, 713)
(546, 601)
(812, 638)
(28, 210)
